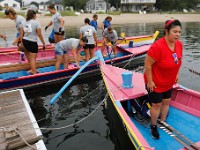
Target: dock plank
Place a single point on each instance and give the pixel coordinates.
(15, 118)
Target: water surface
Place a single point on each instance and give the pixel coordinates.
(103, 129)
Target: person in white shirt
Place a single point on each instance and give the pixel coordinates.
(30, 30)
(89, 32)
(109, 35)
(57, 22)
(11, 13)
(63, 47)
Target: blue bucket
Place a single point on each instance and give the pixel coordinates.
(127, 79)
(130, 43)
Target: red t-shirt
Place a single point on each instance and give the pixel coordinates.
(164, 70)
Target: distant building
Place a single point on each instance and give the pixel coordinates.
(58, 5)
(93, 6)
(31, 6)
(137, 5)
(10, 3)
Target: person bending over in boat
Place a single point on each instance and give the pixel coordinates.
(162, 65)
(109, 35)
(58, 24)
(11, 13)
(106, 23)
(89, 32)
(63, 47)
(3, 36)
(29, 33)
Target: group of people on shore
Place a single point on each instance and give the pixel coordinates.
(29, 29)
(162, 62)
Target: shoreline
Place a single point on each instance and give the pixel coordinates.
(77, 21)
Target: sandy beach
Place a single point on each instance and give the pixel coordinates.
(5, 23)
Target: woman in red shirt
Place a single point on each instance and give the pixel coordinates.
(162, 64)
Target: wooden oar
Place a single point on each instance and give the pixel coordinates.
(26, 66)
(181, 138)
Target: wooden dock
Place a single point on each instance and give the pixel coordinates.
(18, 127)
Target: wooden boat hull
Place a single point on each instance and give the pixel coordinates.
(12, 55)
(20, 79)
(16, 76)
(51, 47)
(184, 113)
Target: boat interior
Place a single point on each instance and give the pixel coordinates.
(186, 123)
(19, 70)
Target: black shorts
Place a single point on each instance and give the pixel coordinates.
(51, 40)
(155, 97)
(30, 46)
(90, 46)
(113, 43)
(59, 33)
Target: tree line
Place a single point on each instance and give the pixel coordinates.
(163, 5)
(179, 5)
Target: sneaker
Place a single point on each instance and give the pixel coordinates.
(154, 132)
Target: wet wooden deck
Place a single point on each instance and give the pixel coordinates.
(17, 123)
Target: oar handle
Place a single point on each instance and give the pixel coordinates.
(196, 147)
(170, 133)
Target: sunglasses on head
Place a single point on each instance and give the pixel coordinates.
(174, 55)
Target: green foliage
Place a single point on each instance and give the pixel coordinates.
(167, 5)
(114, 13)
(77, 4)
(2, 15)
(115, 3)
(164, 5)
(64, 13)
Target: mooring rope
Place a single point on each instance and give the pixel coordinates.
(78, 122)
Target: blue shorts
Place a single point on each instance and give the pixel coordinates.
(59, 50)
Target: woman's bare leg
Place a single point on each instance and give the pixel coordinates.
(59, 59)
(33, 57)
(66, 61)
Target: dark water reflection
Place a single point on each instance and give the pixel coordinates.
(104, 129)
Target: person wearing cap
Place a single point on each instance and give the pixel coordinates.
(63, 47)
(162, 65)
(18, 19)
